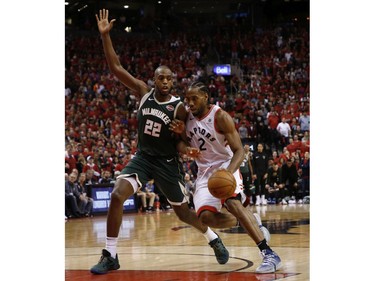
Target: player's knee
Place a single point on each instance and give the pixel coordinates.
(122, 190)
(206, 217)
(116, 196)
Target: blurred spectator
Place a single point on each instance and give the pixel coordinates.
(67, 168)
(70, 159)
(106, 177)
(105, 162)
(289, 179)
(189, 166)
(298, 132)
(90, 165)
(273, 185)
(273, 121)
(127, 158)
(190, 188)
(306, 137)
(132, 121)
(146, 193)
(285, 155)
(81, 163)
(75, 171)
(304, 120)
(284, 131)
(133, 146)
(125, 144)
(244, 133)
(294, 144)
(275, 157)
(72, 198)
(117, 164)
(260, 166)
(86, 203)
(305, 168)
(247, 172)
(294, 125)
(90, 178)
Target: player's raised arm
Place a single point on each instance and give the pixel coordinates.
(137, 86)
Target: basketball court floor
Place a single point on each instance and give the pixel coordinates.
(158, 246)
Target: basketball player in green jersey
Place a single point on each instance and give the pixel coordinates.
(156, 157)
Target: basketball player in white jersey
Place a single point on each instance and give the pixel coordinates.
(211, 130)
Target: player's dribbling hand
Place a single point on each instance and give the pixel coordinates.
(177, 126)
(103, 25)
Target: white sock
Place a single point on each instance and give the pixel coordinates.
(111, 245)
(210, 235)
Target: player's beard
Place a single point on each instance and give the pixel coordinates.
(199, 111)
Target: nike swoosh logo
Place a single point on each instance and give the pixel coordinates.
(169, 160)
(151, 99)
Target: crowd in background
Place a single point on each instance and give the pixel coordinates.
(269, 101)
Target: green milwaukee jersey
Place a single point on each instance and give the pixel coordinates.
(154, 117)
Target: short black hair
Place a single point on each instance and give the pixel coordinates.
(201, 86)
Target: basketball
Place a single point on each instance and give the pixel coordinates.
(222, 184)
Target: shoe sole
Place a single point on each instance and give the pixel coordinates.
(93, 271)
(97, 272)
(278, 266)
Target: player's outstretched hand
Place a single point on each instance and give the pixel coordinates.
(103, 25)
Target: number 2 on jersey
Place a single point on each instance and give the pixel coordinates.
(202, 142)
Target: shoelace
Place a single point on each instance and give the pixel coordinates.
(101, 259)
(218, 245)
(104, 259)
(269, 258)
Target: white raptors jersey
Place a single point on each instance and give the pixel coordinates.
(202, 133)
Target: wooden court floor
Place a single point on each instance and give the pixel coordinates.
(157, 246)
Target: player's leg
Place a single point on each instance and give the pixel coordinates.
(208, 210)
(271, 261)
(252, 225)
(246, 219)
(126, 185)
(217, 219)
(124, 188)
(169, 180)
(174, 192)
(109, 260)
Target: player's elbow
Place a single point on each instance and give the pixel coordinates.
(116, 69)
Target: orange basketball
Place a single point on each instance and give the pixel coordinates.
(222, 184)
